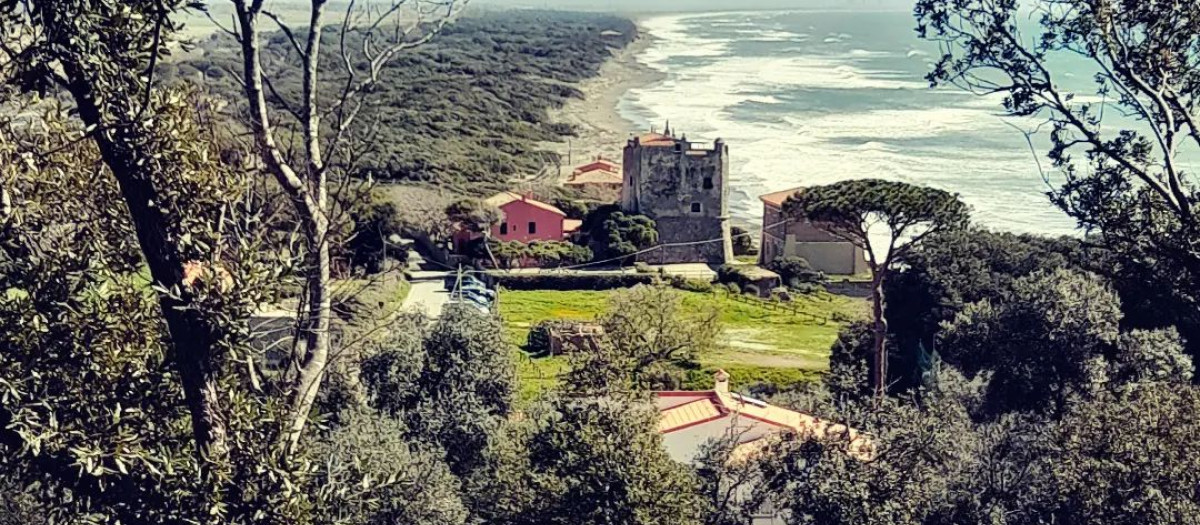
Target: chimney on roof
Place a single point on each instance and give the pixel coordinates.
(721, 382)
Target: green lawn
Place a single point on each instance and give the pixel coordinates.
(757, 343)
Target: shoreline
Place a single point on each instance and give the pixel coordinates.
(600, 128)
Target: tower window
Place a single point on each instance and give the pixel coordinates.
(504, 228)
(532, 227)
(696, 207)
(708, 183)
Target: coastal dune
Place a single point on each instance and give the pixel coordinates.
(601, 129)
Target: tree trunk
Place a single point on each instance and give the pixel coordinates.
(310, 194)
(879, 371)
(316, 328)
(191, 336)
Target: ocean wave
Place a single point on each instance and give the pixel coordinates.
(944, 140)
(863, 53)
(876, 146)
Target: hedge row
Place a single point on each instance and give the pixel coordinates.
(753, 379)
(549, 281)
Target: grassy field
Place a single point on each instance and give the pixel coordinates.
(758, 343)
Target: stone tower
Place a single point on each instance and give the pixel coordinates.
(685, 189)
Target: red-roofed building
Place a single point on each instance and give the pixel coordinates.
(784, 237)
(689, 420)
(599, 164)
(600, 179)
(527, 219)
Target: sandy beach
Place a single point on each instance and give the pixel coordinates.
(601, 128)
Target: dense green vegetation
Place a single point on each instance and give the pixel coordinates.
(465, 111)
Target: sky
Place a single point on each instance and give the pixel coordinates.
(642, 6)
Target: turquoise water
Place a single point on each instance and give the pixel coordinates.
(808, 98)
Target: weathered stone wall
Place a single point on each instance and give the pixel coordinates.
(686, 191)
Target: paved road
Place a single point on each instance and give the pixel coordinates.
(426, 296)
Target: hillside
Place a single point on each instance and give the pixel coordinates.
(465, 111)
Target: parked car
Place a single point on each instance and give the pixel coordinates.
(477, 289)
(467, 280)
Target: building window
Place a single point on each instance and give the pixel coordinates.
(532, 227)
(696, 207)
(708, 184)
(504, 228)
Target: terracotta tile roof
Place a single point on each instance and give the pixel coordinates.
(572, 225)
(596, 177)
(777, 199)
(505, 198)
(655, 139)
(598, 164)
(689, 414)
(721, 403)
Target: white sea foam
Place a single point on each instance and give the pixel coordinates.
(863, 53)
(819, 147)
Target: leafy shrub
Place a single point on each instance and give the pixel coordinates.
(611, 233)
(691, 285)
(743, 243)
(544, 253)
(375, 221)
(473, 214)
(795, 271)
(558, 253)
(574, 208)
(735, 274)
(748, 378)
(730, 274)
(571, 281)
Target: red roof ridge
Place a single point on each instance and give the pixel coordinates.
(507, 197)
(778, 198)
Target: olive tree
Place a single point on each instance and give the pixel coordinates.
(864, 212)
(1119, 134)
(650, 339)
(152, 171)
(1053, 335)
(590, 460)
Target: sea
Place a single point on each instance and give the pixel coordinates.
(809, 97)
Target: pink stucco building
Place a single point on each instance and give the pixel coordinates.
(528, 220)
